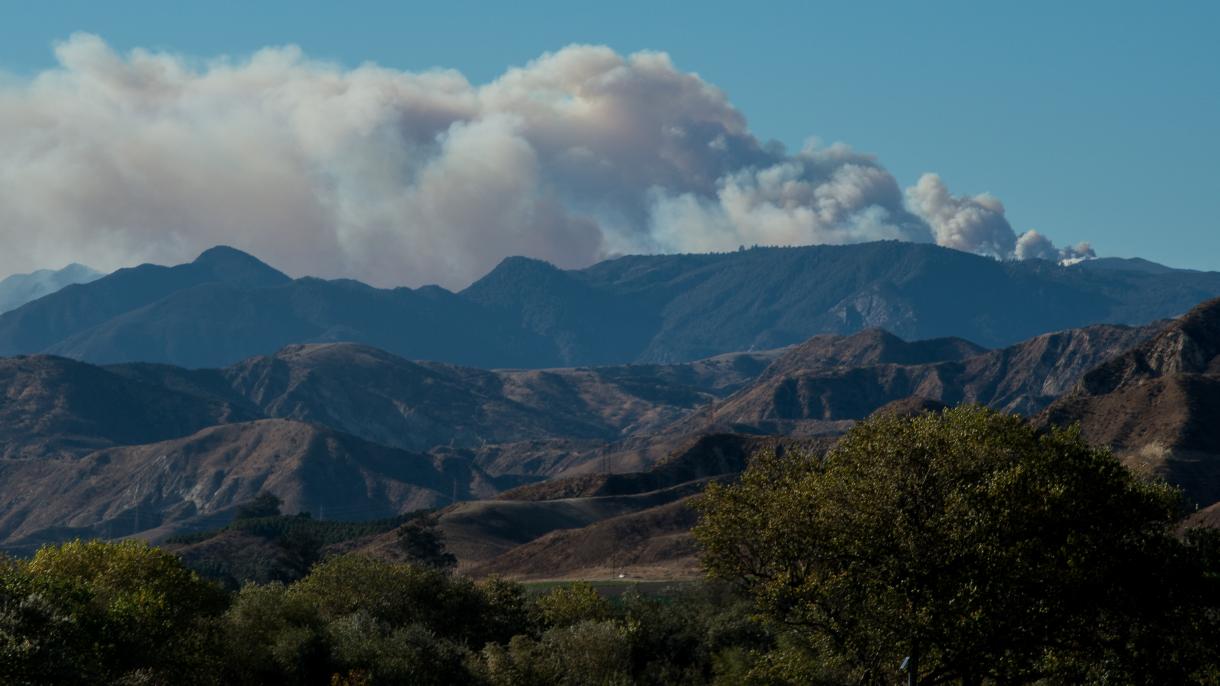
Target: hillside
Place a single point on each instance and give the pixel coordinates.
(51, 406)
(771, 297)
(198, 481)
(528, 529)
(1157, 404)
(808, 391)
(654, 544)
(390, 400)
(227, 306)
(868, 348)
(149, 449)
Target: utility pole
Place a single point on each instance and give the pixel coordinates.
(911, 665)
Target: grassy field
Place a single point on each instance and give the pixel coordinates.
(612, 588)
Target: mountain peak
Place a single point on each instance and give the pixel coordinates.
(224, 254)
(516, 266)
(231, 265)
(77, 270)
(517, 275)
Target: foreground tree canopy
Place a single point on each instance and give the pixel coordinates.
(972, 549)
(125, 613)
(104, 613)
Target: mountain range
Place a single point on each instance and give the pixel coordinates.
(159, 400)
(227, 306)
(347, 431)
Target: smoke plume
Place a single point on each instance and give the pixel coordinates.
(406, 178)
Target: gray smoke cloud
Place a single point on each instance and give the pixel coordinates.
(406, 178)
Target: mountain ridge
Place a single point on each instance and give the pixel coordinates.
(654, 309)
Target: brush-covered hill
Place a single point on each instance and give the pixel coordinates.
(655, 543)
(198, 482)
(52, 406)
(826, 383)
(1158, 405)
(868, 348)
(388, 399)
(138, 448)
(562, 527)
(227, 306)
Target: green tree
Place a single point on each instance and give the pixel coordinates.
(587, 653)
(508, 611)
(96, 612)
(41, 640)
(677, 634)
(272, 636)
(263, 505)
(388, 654)
(971, 545)
(424, 543)
(396, 594)
(573, 603)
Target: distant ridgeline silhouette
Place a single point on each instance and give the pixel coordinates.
(227, 306)
(19, 289)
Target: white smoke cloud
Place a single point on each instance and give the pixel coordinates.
(831, 195)
(406, 178)
(1032, 245)
(977, 224)
(1076, 253)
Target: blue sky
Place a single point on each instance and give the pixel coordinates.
(1095, 121)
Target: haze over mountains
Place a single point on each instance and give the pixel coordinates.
(227, 306)
(19, 289)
